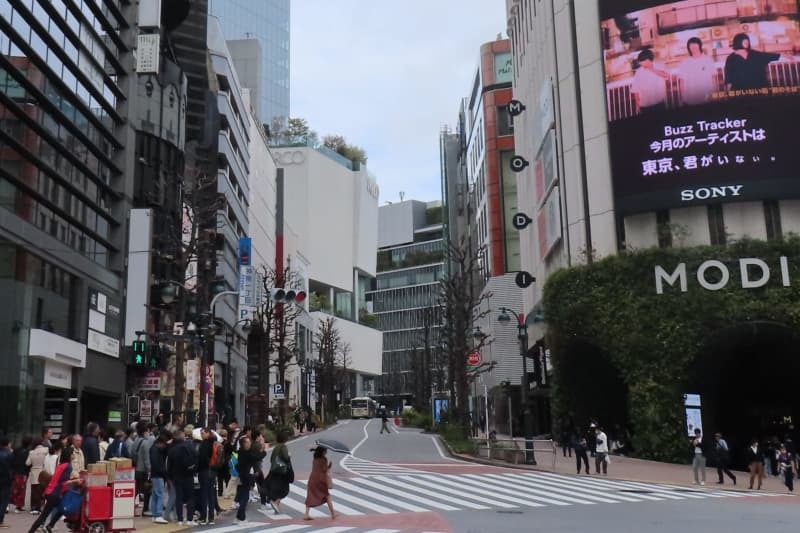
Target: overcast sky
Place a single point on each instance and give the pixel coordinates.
(388, 76)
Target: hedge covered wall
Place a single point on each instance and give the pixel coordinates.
(652, 341)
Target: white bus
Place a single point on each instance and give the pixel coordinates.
(363, 407)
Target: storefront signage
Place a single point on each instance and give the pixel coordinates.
(150, 381)
(102, 343)
(103, 324)
(57, 375)
(714, 275)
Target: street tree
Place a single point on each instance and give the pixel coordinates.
(333, 355)
(460, 307)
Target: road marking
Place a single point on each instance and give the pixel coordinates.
(443, 497)
(600, 485)
(509, 494)
(502, 485)
(355, 448)
(383, 531)
(251, 525)
(332, 529)
(406, 495)
(338, 494)
(554, 487)
(577, 484)
(340, 507)
(365, 492)
(449, 486)
(272, 516)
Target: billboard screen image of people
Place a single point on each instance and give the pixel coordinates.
(703, 100)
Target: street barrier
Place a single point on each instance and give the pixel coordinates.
(513, 450)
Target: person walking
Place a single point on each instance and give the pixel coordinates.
(320, 482)
(723, 456)
(222, 470)
(385, 422)
(755, 463)
(35, 463)
(698, 458)
(181, 467)
(582, 455)
(6, 478)
(601, 450)
(54, 492)
(158, 474)
(786, 462)
(20, 482)
(140, 453)
(249, 460)
(206, 477)
(280, 474)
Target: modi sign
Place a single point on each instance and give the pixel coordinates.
(715, 275)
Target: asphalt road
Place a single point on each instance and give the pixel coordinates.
(403, 482)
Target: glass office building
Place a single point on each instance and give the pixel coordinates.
(268, 21)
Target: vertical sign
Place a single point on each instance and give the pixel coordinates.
(246, 285)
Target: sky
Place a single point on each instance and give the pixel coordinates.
(388, 76)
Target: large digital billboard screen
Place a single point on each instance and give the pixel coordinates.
(703, 100)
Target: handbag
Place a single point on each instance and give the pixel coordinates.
(279, 466)
(71, 502)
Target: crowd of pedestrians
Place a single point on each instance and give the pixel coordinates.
(181, 472)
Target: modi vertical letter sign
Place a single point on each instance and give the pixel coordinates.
(246, 286)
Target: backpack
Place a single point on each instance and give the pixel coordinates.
(218, 456)
(233, 463)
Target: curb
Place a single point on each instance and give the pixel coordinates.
(531, 468)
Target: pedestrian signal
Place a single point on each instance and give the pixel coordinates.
(139, 354)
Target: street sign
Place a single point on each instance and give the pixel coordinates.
(278, 392)
(518, 163)
(474, 358)
(515, 108)
(524, 279)
(521, 221)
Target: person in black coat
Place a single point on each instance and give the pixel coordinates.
(249, 461)
(118, 447)
(158, 476)
(91, 446)
(181, 467)
(206, 476)
(755, 462)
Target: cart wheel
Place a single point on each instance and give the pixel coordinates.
(97, 527)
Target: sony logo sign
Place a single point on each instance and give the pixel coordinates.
(749, 279)
(704, 193)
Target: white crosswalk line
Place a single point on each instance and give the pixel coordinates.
(658, 489)
(278, 529)
(382, 498)
(429, 493)
(338, 494)
(714, 493)
(301, 508)
(407, 495)
(272, 516)
(435, 482)
(577, 484)
(383, 531)
(552, 488)
(340, 507)
(620, 485)
(540, 496)
(596, 483)
(332, 529)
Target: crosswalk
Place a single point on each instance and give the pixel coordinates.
(302, 528)
(364, 467)
(433, 492)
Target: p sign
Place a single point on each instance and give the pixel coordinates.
(278, 392)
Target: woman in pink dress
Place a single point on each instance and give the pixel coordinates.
(320, 483)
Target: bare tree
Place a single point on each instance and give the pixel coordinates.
(334, 361)
(460, 303)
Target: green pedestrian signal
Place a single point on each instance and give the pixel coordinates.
(139, 353)
(154, 359)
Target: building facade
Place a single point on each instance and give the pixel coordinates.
(267, 21)
(64, 162)
(411, 253)
(331, 221)
(591, 133)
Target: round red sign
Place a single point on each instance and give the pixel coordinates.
(474, 358)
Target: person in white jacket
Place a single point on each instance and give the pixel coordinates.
(601, 450)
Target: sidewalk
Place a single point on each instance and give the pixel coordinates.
(630, 469)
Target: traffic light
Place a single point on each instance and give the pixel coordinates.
(154, 358)
(287, 296)
(139, 354)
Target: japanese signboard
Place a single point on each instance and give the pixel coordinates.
(701, 99)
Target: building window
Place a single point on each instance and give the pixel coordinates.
(505, 122)
(772, 216)
(664, 229)
(716, 225)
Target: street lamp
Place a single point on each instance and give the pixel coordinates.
(229, 338)
(527, 419)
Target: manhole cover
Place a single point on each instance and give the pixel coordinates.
(635, 491)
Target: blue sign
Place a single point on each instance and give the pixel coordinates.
(439, 406)
(245, 251)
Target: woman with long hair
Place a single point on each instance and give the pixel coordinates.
(55, 491)
(320, 483)
(280, 474)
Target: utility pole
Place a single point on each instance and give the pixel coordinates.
(527, 425)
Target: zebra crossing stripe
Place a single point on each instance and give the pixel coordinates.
(406, 495)
(332, 529)
(340, 507)
(714, 493)
(552, 488)
(449, 485)
(281, 529)
(619, 485)
(578, 485)
(383, 531)
(430, 493)
(300, 508)
(338, 494)
(601, 485)
(659, 489)
(538, 495)
(273, 516)
(366, 492)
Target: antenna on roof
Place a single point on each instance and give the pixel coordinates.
(402, 195)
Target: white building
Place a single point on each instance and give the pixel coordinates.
(331, 216)
(233, 181)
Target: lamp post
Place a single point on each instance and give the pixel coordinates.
(209, 355)
(227, 382)
(527, 421)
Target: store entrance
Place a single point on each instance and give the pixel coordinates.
(746, 382)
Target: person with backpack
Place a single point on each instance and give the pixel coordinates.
(181, 467)
(249, 460)
(723, 456)
(207, 457)
(62, 477)
(281, 474)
